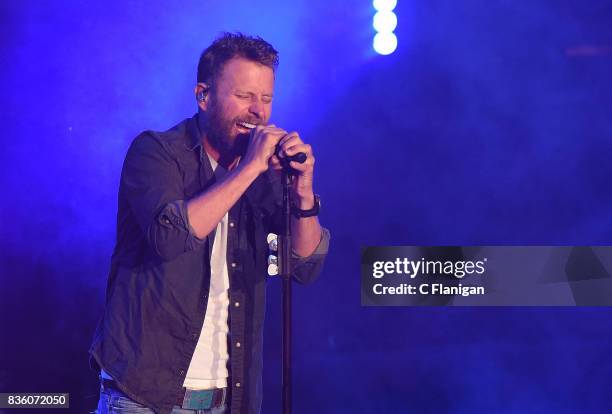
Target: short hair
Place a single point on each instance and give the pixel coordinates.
(230, 45)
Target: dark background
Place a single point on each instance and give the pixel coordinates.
(490, 124)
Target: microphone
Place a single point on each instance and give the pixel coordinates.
(300, 157)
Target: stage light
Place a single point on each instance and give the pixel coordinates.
(384, 21)
(385, 43)
(384, 5)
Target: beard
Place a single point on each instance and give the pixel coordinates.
(220, 133)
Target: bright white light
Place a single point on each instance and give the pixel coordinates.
(385, 43)
(384, 5)
(385, 21)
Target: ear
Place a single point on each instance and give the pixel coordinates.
(201, 94)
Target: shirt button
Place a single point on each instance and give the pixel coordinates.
(231, 224)
(182, 372)
(237, 304)
(237, 344)
(237, 385)
(233, 264)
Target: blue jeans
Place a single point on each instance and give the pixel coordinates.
(113, 401)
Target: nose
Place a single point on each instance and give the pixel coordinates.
(257, 108)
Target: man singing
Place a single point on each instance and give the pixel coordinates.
(185, 301)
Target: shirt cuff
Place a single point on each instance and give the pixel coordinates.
(321, 249)
(177, 210)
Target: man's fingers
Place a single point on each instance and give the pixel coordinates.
(290, 150)
(291, 137)
(288, 140)
(275, 163)
(300, 167)
(273, 130)
(270, 135)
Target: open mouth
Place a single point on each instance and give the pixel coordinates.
(246, 125)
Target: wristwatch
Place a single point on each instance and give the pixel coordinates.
(298, 213)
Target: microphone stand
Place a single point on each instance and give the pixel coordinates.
(284, 252)
(284, 261)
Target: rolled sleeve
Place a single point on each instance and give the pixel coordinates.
(174, 214)
(307, 269)
(152, 184)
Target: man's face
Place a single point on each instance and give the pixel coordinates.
(242, 93)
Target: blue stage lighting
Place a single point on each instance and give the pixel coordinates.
(384, 5)
(385, 43)
(385, 21)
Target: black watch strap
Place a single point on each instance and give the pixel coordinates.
(298, 213)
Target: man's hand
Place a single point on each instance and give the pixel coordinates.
(262, 145)
(291, 144)
(261, 155)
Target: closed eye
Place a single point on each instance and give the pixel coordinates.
(267, 99)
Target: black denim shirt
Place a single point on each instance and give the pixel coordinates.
(159, 279)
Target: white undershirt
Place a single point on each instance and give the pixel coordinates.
(208, 367)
